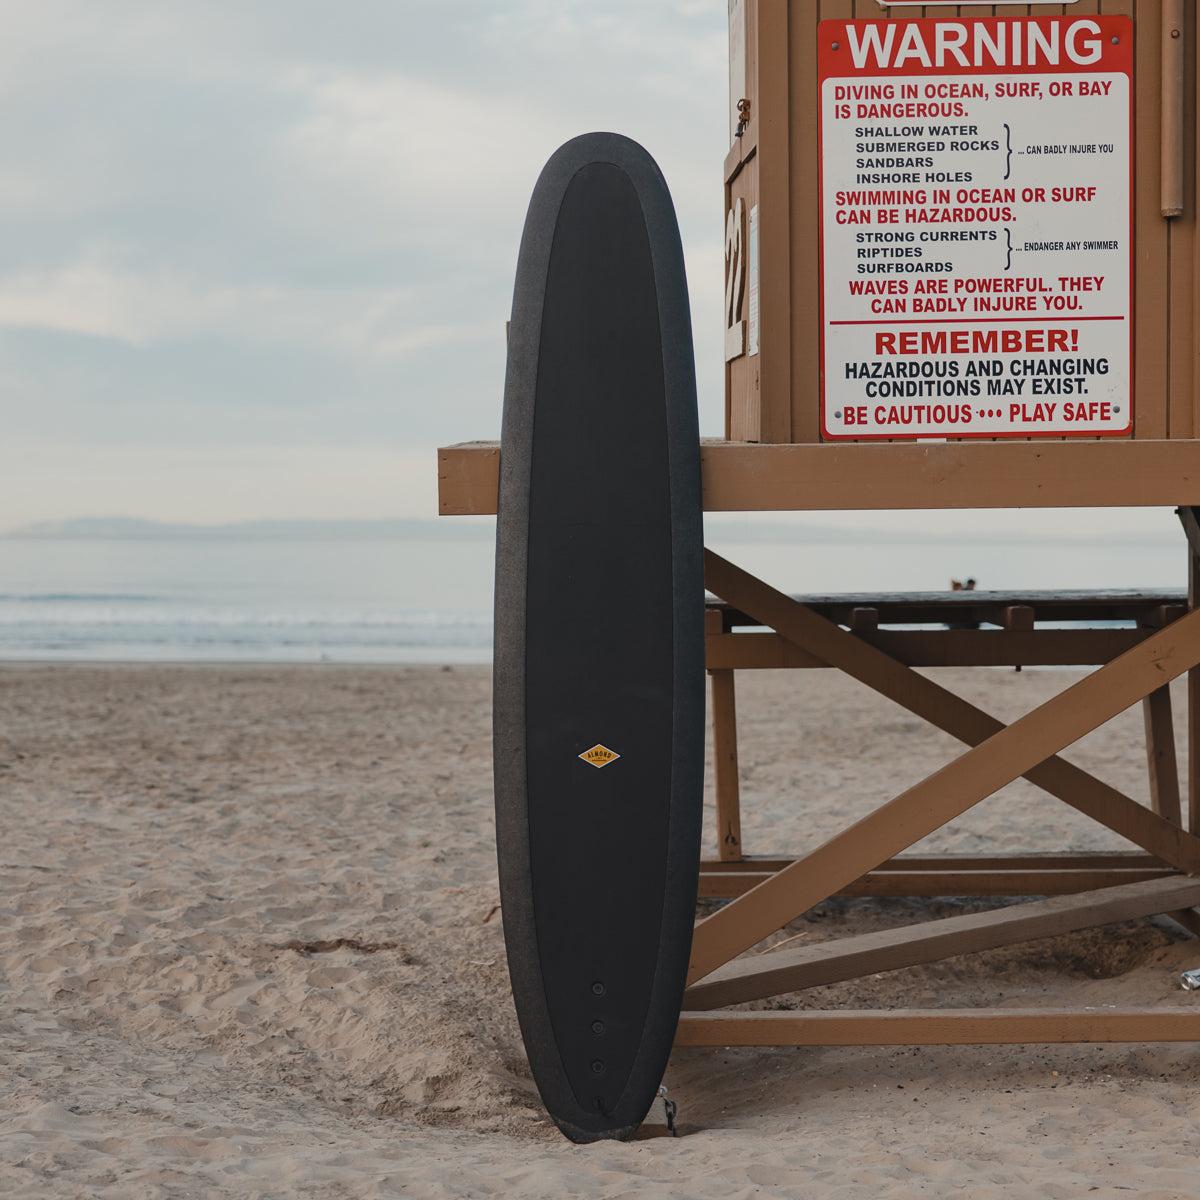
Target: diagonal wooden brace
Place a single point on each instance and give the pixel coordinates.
(941, 707)
(1006, 755)
(927, 941)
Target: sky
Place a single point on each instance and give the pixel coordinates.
(259, 253)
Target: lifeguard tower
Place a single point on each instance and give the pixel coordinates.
(961, 272)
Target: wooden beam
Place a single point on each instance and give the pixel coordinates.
(935, 648)
(1139, 605)
(951, 791)
(938, 1027)
(1149, 232)
(725, 885)
(1051, 874)
(863, 620)
(1018, 618)
(774, 223)
(805, 966)
(1189, 918)
(1160, 755)
(1171, 164)
(1190, 519)
(805, 331)
(747, 477)
(1070, 860)
(468, 478)
(943, 708)
(725, 756)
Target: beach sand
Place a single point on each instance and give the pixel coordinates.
(250, 948)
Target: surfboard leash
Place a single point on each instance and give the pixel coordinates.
(670, 1108)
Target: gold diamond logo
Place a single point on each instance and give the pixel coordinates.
(599, 756)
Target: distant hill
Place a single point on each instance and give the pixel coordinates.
(479, 529)
(132, 528)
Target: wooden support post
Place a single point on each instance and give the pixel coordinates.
(1160, 755)
(1018, 618)
(725, 756)
(1190, 519)
(1189, 918)
(1171, 170)
(864, 620)
(938, 1027)
(934, 703)
(890, 949)
(947, 793)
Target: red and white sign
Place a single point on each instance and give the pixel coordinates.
(976, 180)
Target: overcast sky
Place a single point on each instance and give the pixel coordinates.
(258, 254)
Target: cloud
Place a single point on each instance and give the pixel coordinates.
(96, 299)
(257, 222)
(213, 484)
(420, 157)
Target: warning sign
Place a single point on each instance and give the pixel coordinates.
(976, 183)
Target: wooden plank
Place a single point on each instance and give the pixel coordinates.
(1145, 606)
(1151, 343)
(742, 407)
(995, 883)
(936, 648)
(1189, 918)
(743, 651)
(1164, 615)
(805, 966)
(951, 791)
(863, 620)
(1185, 245)
(956, 716)
(1051, 861)
(1018, 618)
(741, 375)
(938, 1027)
(1190, 519)
(860, 475)
(726, 885)
(1171, 122)
(733, 161)
(744, 477)
(724, 716)
(774, 224)
(1160, 755)
(468, 478)
(805, 262)
(1193, 703)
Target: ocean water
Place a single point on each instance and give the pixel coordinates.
(240, 600)
(424, 600)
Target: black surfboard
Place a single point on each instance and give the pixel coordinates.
(599, 650)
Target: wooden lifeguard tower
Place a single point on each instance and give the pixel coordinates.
(962, 271)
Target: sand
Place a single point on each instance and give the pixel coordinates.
(250, 948)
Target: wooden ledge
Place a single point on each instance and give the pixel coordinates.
(747, 477)
(938, 1027)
